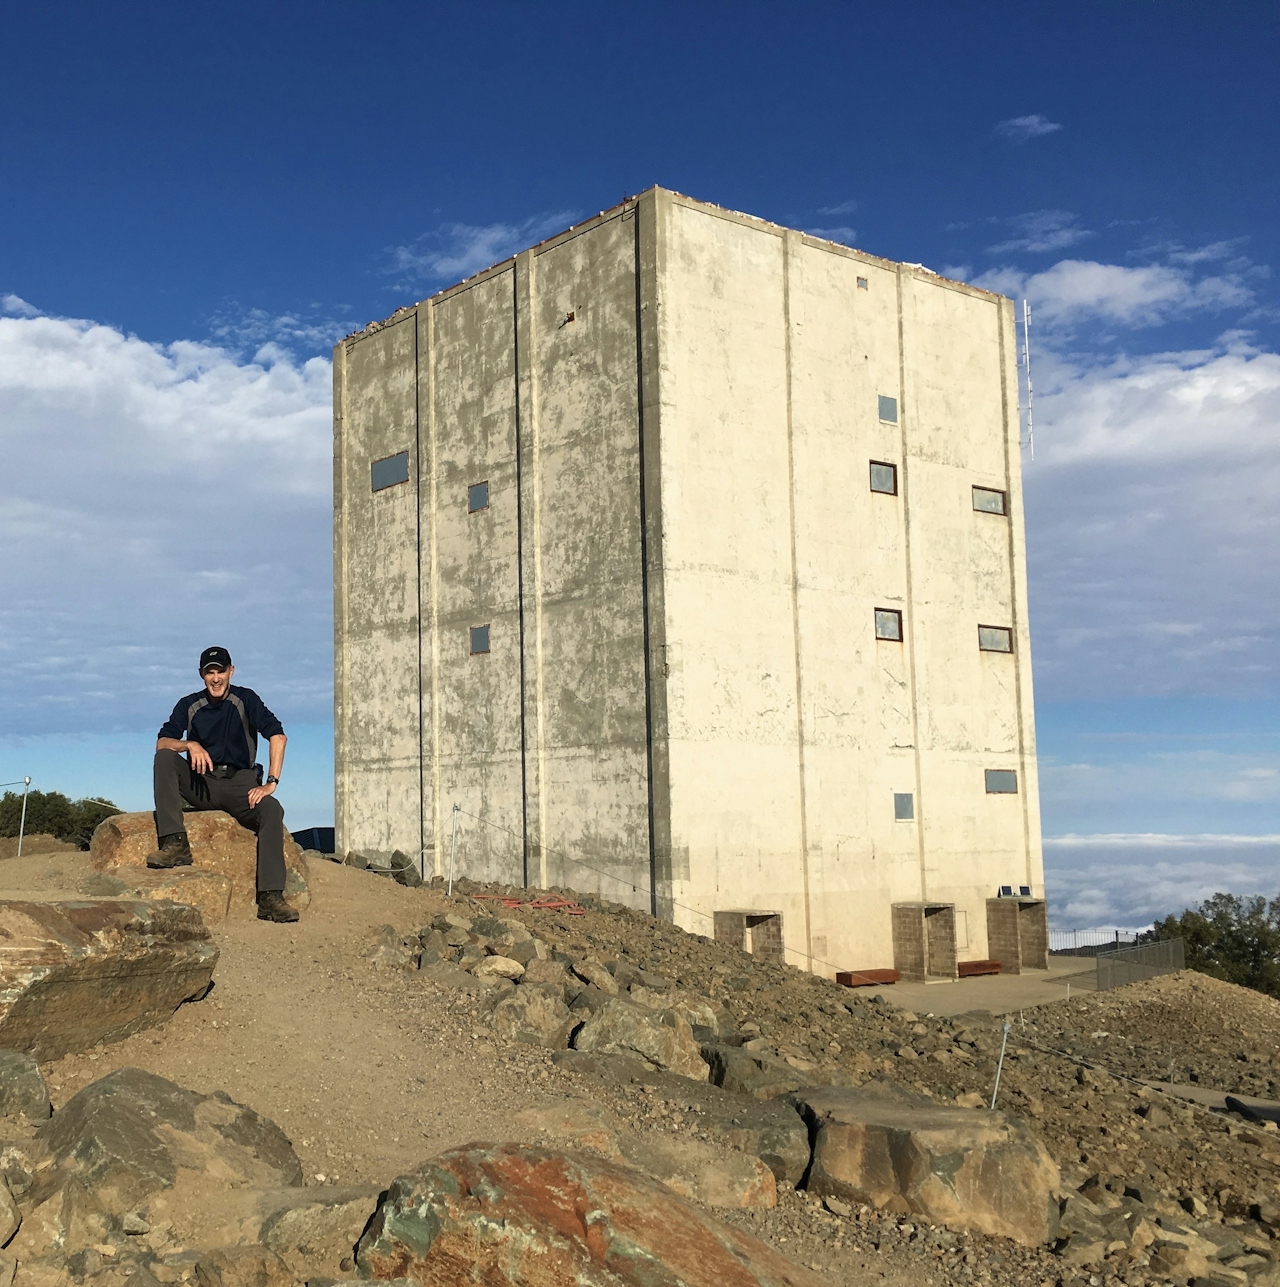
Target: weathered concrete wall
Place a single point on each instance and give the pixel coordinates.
(676, 408)
(586, 744)
(376, 638)
(791, 725)
(526, 379)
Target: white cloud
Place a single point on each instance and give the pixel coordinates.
(15, 306)
(1041, 232)
(256, 331)
(844, 207)
(1213, 253)
(1021, 128)
(156, 498)
(844, 235)
(457, 250)
(1153, 511)
(1080, 290)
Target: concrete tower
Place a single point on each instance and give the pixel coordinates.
(684, 554)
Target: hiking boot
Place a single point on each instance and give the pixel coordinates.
(272, 907)
(174, 851)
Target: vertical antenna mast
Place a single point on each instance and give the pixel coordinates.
(1026, 362)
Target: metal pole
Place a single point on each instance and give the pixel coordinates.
(995, 1090)
(1026, 353)
(453, 846)
(22, 825)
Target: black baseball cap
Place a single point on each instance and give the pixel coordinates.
(214, 657)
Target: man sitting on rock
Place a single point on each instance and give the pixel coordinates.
(218, 730)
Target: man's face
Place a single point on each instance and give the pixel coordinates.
(216, 680)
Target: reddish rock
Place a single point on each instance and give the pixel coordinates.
(515, 1214)
(74, 972)
(218, 844)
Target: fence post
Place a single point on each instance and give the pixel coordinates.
(995, 1090)
(453, 847)
(22, 825)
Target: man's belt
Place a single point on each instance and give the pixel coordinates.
(230, 770)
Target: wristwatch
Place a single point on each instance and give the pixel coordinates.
(275, 781)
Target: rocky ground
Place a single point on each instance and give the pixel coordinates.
(370, 1064)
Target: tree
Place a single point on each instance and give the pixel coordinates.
(1229, 937)
(50, 813)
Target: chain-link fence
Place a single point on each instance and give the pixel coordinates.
(1145, 961)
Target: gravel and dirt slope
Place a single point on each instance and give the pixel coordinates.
(369, 1070)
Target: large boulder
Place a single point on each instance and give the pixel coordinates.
(770, 1130)
(899, 1151)
(695, 1009)
(74, 972)
(714, 1176)
(314, 1230)
(133, 1135)
(516, 1214)
(660, 1037)
(218, 843)
(209, 892)
(752, 1072)
(534, 1014)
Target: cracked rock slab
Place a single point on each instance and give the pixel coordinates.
(74, 972)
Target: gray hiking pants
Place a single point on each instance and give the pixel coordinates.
(175, 782)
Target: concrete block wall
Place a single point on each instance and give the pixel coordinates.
(1018, 934)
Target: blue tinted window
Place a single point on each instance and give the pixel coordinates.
(1002, 782)
(904, 806)
(477, 497)
(390, 471)
(889, 409)
(479, 639)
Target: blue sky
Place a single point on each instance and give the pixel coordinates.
(198, 202)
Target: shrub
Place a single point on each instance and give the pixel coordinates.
(50, 813)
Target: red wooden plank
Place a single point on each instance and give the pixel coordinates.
(865, 978)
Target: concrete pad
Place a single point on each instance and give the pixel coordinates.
(997, 993)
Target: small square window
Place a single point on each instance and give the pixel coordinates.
(986, 500)
(389, 471)
(904, 806)
(477, 497)
(889, 410)
(884, 478)
(862, 283)
(1002, 782)
(479, 640)
(995, 639)
(889, 624)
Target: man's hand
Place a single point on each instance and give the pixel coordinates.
(258, 794)
(199, 757)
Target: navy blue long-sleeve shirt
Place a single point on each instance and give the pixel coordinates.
(227, 729)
